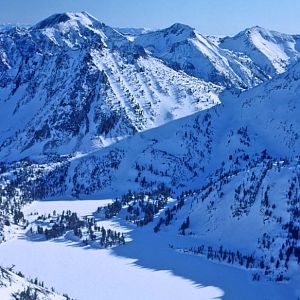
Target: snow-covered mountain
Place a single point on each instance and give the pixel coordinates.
(234, 167)
(197, 137)
(185, 49)
(131, 32)
(237, 165)
(184, 153)
(272, 51)
(86, 85)
(242, 61)
(71, 83)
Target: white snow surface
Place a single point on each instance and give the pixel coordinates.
(272, 51)
(93, 87)
(132, 118)
(144, 268)
(184, 48)
(11, 284)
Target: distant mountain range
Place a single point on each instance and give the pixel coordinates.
(86, 85)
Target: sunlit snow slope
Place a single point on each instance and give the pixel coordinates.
(71, 83)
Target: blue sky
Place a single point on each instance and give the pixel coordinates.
(208, 16)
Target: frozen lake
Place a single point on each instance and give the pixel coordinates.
(145, 268)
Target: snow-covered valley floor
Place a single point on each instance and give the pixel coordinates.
(144, 268)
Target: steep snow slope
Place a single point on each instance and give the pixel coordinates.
(240, 158)
(253, 211)
(182, 154)
(240, 161)
(185, 49)
(237, 163)
(71, 83)
(272, 51)
(185, 152)
(13, 286)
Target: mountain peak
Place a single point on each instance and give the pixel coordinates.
(256, 29)
(264, 32)
(272, 51)
(179, 29)
(74, 17)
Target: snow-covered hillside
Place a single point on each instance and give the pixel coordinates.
(196, 138)
(71, 83)
(13, 286)
(184, 153)
(137, 268)
(236, 163)
(87, 86)
(272, 51)
(185, 49)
